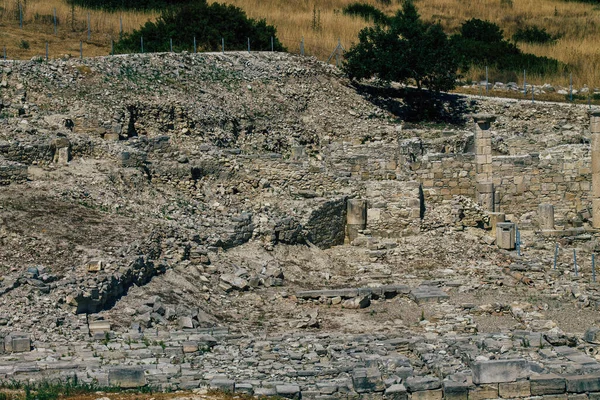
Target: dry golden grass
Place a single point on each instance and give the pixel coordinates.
(577, 23)
(38, 28)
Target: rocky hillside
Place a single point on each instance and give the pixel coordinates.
(148, 200)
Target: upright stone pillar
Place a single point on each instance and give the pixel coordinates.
(595, 129)
(356, 217)
(62, 151)
(483, 161)
(546, 216)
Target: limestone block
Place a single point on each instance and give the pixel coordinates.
(396, 392)
(127, 378)
(422, 383)
(505, 235)
(546, 216)
(223, 384)
(95, 266)
(367, 380)
(596, 213)
(582, 384)
(288, 391)
(495, 217)
(189, 347)
(246, 388)
(592, 335)
(356, 212)
(511, 390)
(547, 384)
(495, 371)
(21, 344)
(455, 390)
(99, 327)
(484, 392)
(427, 395)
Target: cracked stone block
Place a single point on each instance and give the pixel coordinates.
(495, 371)
(484, 392)
(127, 378)
(542, 385)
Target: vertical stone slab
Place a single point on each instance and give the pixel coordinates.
(546, 216)
(483, 160)
(595, 130)
(506, 235)
(356, 217)
(495, 218)
(62, 150)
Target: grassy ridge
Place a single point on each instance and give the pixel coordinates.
(321, 23)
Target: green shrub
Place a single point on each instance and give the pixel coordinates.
(208, 24)
(367, 12)
(481, 43)
(533, 34)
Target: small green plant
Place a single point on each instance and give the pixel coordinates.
(422, 315)
(24, 44)
(106, 339)
(525, 343)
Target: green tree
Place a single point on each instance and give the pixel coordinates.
(407, 50)
(208, 24)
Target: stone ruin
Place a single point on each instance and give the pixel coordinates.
(242, 225)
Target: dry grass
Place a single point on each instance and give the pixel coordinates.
(578, 24)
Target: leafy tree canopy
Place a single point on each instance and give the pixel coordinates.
(208, 24)
(407, 50)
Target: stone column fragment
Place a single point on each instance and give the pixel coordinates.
(356, 217)
(483, 160)
(595, 130)
(546, 216)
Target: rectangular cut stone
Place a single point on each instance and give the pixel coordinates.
(21, 344)
(288, 391)
(484, 392)
(579, 396)
(367, 380)
(427, 395)
(455, 390)
(224, 384)
(127, 378)
(396, 392)
(542, 385)
(495, 371)
(511, 390)
(582, 384)
(315, 294)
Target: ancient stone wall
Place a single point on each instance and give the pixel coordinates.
(12, 172)
(394, 207)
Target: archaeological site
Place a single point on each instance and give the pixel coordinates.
(258, 224)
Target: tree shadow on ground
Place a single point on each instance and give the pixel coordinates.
(412, 105)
